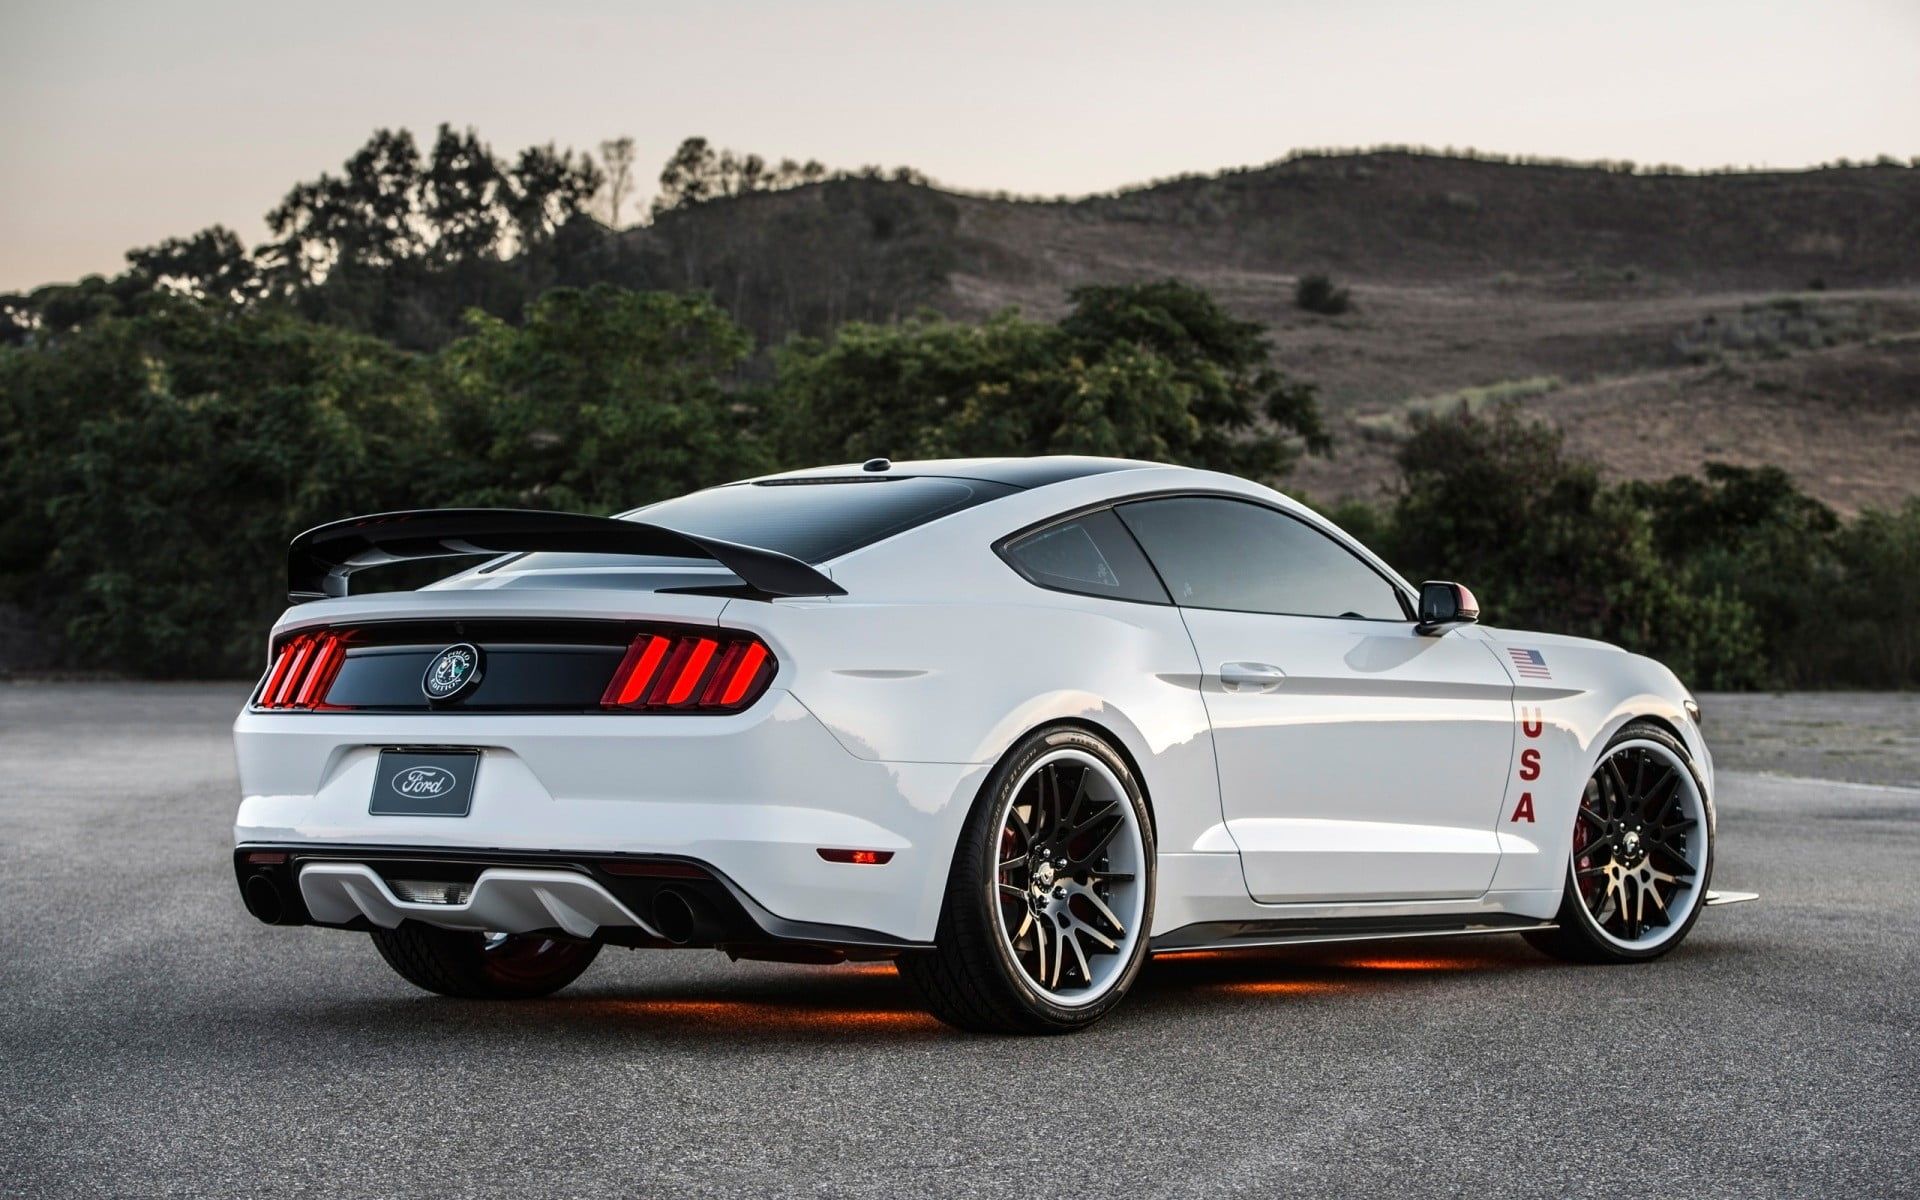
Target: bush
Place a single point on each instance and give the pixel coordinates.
(601, 400)
(1494, 501)
(1316, 294)
(158, 465)
(1875, 617)
(1153, 371)
(1735, 580)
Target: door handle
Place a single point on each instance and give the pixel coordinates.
(1251, 676)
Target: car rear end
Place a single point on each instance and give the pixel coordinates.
(594, 734)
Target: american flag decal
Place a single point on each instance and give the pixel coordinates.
(1531, 664)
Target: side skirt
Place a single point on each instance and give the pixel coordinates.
(1228, 935)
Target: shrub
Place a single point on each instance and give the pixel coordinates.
(156, 466)
(1316, 294)
(602, 399)
(168, 459)
(1153, 371)
(1736, 579)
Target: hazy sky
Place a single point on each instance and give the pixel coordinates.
(126, 123)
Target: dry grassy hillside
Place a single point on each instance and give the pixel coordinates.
(1662, 320)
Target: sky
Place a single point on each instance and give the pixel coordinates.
(130, 122)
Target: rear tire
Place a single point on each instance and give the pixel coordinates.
(1642, 858)
(1050, 897)
(478, 966)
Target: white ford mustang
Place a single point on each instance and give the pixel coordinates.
(1014, 724)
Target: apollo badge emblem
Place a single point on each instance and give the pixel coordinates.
(453, 673)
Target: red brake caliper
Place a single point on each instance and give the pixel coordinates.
(1580, 839)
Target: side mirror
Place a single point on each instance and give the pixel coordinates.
(1444, 605)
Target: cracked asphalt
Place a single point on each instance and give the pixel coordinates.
(156, 1041)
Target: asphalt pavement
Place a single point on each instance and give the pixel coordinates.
(156, 1041)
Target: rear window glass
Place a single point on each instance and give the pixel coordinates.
(812, 520)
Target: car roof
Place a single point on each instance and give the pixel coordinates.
(1011, 472)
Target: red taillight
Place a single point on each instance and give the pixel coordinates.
(690, 673)
(636, 670)
(303, 671)
(737, 674)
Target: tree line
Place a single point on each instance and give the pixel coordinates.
(403, 240)
(154, 464)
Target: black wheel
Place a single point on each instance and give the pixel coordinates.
(1050, 897)
(1642, 853)
(483, 966)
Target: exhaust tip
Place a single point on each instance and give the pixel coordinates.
(673, 916)
(263, 900)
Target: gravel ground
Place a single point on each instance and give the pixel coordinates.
(154, 1040)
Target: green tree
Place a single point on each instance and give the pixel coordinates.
(213, 265)
(1152, 371)
(602, 400)
(1239, 399)
(1494, 501)
(616, 160)
(156, 466)
(460, 200)
(1751, 534)
(1875, 617)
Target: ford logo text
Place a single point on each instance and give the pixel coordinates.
(423, 782)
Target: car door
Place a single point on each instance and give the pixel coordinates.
(1358, 759)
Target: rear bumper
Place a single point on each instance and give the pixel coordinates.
(750, 798)
(582, 895)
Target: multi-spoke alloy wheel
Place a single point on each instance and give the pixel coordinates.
(1642, 852)
(1051, 893)
(1067, 888)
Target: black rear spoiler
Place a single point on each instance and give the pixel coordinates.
(320, 560)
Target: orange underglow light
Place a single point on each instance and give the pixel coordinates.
(1280, 987)
(764, 1017)
(866, 968)
(1195, 955)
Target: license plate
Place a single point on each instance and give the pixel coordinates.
(424, 783)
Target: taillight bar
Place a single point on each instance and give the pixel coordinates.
(685, 672)
(303, 671)
(665, 671)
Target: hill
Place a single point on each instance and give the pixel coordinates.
(1661, 319)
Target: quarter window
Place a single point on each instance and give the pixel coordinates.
(1230, 554)
(1092, 554)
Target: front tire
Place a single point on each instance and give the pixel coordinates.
(1642, 854)
(481, 966)
(1050, 897)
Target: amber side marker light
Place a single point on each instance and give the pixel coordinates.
(865, 858)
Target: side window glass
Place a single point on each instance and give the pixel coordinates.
(1231, 554)
(1092, 554)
